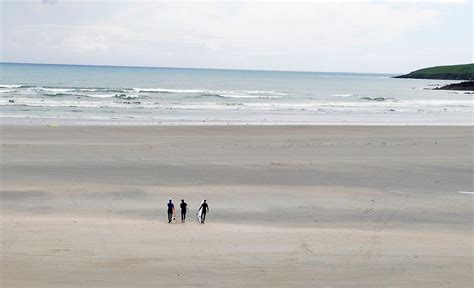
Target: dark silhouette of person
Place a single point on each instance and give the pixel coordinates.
(170, 210)
(205, 209)
(183, 206)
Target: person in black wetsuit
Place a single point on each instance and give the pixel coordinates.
(205, 209)
(170, 210)
(183, 206)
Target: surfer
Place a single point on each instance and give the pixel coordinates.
(205, 208)
(170, 210)
(183, 206)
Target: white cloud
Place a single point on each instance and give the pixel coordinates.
(362, 36)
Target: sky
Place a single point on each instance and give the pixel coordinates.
(334, 36)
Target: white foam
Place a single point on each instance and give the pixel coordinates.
(263, 92)
(55, 90)
(467, 103)
(101, 95)
(117, 101)
(222, 93)
(167, 90)
(244, 96)
(466, 192)
(88, 89)
(343, 95)
(9, 86)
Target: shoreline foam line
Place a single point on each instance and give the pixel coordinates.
(466, 192)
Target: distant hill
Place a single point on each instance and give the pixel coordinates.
(452, 72)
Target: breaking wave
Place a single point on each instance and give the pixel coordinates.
(343, 95)
(132, 93)
(242, 96)
(165, 90)
(376, 98)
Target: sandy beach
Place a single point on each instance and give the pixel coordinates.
(310, 206)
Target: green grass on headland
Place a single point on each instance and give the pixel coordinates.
(451, 72)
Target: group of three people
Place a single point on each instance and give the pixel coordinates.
(203, 209)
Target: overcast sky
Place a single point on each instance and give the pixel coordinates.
(353, 36)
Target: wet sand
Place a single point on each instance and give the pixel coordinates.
(313, 206)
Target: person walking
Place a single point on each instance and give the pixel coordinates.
(184, 208)
(170, 210)
(205, 209)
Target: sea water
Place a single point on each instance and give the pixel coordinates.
(72, 94)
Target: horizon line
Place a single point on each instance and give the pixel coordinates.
(196, 68)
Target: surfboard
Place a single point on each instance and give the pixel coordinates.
(199, 213)
(174, 215)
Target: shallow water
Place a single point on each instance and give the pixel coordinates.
(137, 95)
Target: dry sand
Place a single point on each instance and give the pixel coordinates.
(313, 206)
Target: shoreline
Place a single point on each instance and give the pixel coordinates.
(12, 121)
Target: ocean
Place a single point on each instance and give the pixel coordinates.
(106, 95)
